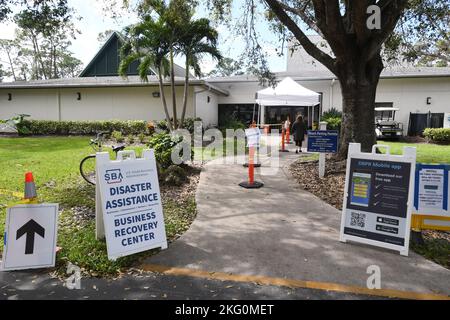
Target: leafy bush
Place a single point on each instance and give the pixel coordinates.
(117, 136)
(440, 135)
(333, 117)
(131, 139)
(50, 127)
(332, 113)
(142, 137)
(163, 144)
(232, 123)
(187, 124)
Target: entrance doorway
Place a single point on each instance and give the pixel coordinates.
(275, 115)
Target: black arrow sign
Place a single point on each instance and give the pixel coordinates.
(30, 228)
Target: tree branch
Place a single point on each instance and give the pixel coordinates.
(309, 47)
(391, 12)
(301, 12)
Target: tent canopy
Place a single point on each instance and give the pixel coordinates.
(288, 93)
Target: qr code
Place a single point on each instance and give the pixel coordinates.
(358, 219)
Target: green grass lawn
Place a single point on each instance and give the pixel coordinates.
(54, 162)
(426, 153)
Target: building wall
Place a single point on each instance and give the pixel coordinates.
(407, 94)
(95, 104)
(207, 111)
(40, 104)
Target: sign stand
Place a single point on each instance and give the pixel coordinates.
(128, 204)
(378, 198)
(253, 136)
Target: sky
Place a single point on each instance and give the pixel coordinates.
(95, 20)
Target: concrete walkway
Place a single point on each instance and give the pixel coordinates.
(282, 231)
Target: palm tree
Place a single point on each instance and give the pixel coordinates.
(197, 39)
(167, 30)
(147, 42)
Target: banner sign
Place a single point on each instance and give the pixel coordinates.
(30, 237)
(130, 203)
(253, 136)
(323, 141)
(432, 190)
(378, 198)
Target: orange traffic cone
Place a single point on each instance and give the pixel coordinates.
(30, 187)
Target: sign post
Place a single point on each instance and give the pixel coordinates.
(253, 138)
(30, 237)
(129, 208)
(378, 198)
(323, 141)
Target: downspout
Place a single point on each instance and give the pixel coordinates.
(331, 92)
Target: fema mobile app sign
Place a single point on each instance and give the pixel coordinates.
(131, 205)
(378, 197)
(377, 202)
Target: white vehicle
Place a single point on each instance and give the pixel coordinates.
(385, 125)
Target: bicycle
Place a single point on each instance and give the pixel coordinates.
(87, 165)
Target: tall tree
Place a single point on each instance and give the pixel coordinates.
(48, 26)
(196, 39)
(356, 32)
(167, 30)
(227, 67)
(146, 41)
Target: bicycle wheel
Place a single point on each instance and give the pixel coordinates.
(87, 169)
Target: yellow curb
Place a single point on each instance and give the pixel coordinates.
(292, 283)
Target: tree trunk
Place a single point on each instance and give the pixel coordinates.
(186, 92)
(163, 99)
(359, 84)
(174, 94)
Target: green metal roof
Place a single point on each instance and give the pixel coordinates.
(106, 61)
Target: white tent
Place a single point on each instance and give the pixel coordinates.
(287, 93)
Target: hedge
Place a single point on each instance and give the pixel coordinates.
(440, 135)
(47, 127)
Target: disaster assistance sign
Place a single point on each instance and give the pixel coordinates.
(131, 205)
(377, 208)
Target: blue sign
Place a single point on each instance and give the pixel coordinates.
(323, 141)
(431, 188)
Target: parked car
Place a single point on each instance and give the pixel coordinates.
(385, 125)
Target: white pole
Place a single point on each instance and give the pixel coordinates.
(322, 126)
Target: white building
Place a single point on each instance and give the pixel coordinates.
(99, 94)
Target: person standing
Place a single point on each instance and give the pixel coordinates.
(299, 131)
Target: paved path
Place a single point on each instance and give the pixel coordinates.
(282, 231)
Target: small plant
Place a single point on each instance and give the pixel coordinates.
(142, 137)
(131, 139)
(117, 136)
(439, 135)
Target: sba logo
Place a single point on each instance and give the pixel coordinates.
(113, 176)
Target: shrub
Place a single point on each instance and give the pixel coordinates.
(175, 175)
(117, 135)
(50, 127)
(232, 123)
(131, 139)
(163, 144)
(142, 137)
(188, 124)
(332, 113)
(440, 135)
(333, 117)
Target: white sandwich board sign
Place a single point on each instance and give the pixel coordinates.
(30, 237)
(128, 204)
(378, 198)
